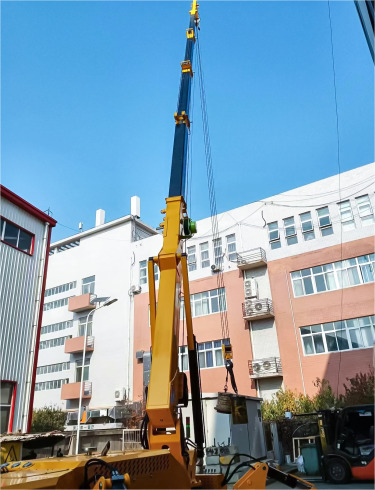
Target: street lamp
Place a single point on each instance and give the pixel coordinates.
(107, 302)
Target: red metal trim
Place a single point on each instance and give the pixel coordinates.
(23, 229)
(12, 403)
(26, 206)
(37, 342)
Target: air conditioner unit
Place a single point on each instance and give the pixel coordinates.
(215, 268)
(267, 366)
(120, 394)
(136, 289)
(257, 367)
(258, 306)
(251, 288)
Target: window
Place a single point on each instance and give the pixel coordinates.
(82, 326)
(210, 355)
(55, 327)
(50, 385)
(191, 258)
(46, 344)
(231, 247)
(307, 226)
(53, 368)
(156, 272)
(205, 256)
(16, 237)
(337, 275)
(290, 231)
(61, 289)
(85, 370)
(7, 404)
(364, 209)
(347, 219)
(356, 333)
(143, 272)
(325, 223)
(274, 235)
(55, 304)
(206, 303)
(218, 252)
(88, 285)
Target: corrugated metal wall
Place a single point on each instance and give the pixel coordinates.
(20, 283)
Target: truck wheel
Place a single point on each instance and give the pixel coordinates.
(337, 470)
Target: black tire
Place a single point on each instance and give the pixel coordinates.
(337, 470)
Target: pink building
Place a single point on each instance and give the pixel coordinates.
(298, 292)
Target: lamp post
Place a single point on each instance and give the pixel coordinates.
(107, 302)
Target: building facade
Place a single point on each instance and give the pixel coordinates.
(298, 275)
(85, 270)
(25, 240)
(296, 288)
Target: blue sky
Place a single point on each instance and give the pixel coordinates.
(89, 90)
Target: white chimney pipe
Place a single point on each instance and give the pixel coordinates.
(135, 206)
(100, 217)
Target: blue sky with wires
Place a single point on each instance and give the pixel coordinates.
(89, 90)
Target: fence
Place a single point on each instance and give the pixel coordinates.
(131, 439)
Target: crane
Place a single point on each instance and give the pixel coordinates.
(166, 461)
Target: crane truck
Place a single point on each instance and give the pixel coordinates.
(166, 461)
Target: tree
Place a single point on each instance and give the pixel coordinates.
(47, 419)
(360, 389)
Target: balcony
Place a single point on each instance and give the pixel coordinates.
(251, 259)
(269, 367)
(76, 344)
(81, 303)
(256, 309)
(70, 391)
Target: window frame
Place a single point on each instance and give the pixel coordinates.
(231, 254)
(12, 404)
(183, 354)
(207, 299)
(346, 222)
(217, 244)
(2, 230)
(201, 252)
(275, 243)
(90, 285)
(326, 226)
(364, 217)
(143, 279)
(343, 327)
(191, 253)
(308, 234)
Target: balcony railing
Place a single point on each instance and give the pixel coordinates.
(265, 368)
(257, 309)
(251, 259)
(70, 391)
(76, 344)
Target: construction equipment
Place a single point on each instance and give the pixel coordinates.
(347, 439)
(166, 461)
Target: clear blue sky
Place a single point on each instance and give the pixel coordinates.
(89, 90)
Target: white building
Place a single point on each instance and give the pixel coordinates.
(25, 238)
(96, 262)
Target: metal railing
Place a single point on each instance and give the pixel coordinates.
(131, 439)
(266, 367)
(257, 308)
(251, 258)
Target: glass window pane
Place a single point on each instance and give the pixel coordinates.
(292, 240)
(219, 358)
(209, 359)
(214, 305)
(306, 272)
(6, 392)
(202, 360)
(353, 276)
(342, 339)
(331, 342)
(327, 231)
(367, 336)
(25, 241)
(316, 328)
(330, 281)
(320, 284)
(327, 327)
(367, 273)
(305, 330)
(11, 234)
(308, 285)
(355, 337)
(318, 343)
(308, 345)
(298, 287)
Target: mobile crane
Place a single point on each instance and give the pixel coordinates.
(165, 461)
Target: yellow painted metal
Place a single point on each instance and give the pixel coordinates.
(182, 118)
(255, 478)
(10, 451)
(186, 67)
(165, 382)
(152, 295)
(145, 469)
(227, 351)
(190, 34)
(194, 9)
(187, 304)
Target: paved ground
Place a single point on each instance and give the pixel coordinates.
(358, 485)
